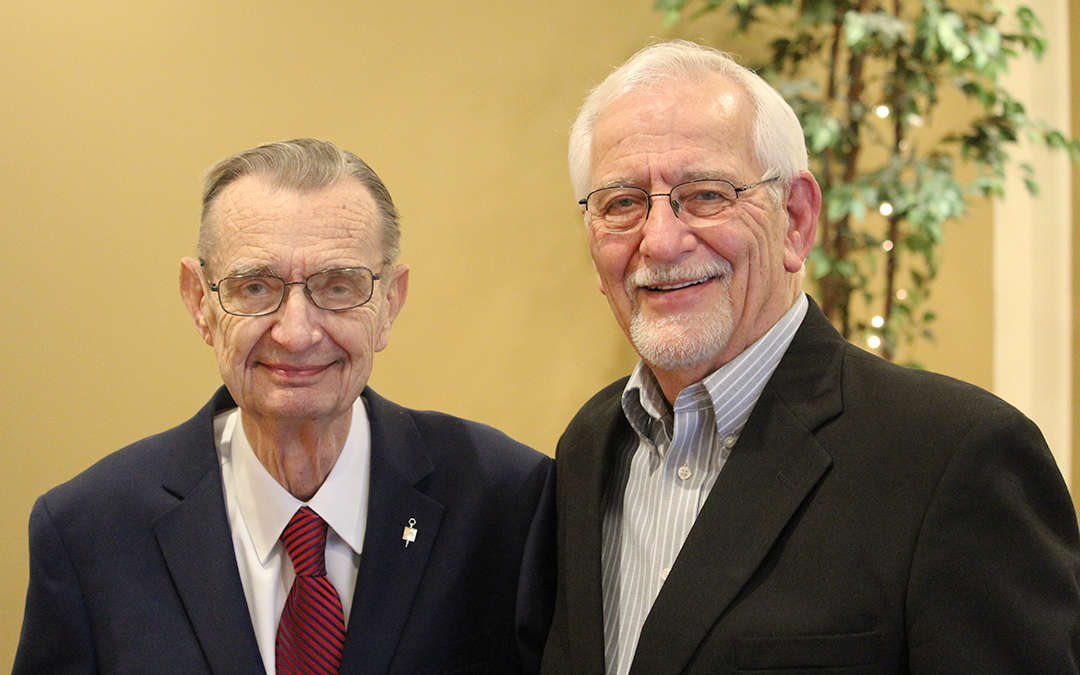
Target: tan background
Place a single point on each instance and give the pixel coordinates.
(109, 113)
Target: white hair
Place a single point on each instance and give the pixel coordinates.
(777, 141)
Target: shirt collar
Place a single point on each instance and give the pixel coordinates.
(341, 501)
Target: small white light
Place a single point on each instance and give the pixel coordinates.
(874, 342)
(886, 245)
(877, 322)
(885, 208)
(882, 111)
(901, 294)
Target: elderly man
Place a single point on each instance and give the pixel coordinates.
(759, 495)
(299, 523)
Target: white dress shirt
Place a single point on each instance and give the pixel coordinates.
(664, 474)
(259, 508)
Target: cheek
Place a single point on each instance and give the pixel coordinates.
(611, 259)
(357, 336)
(750, 246)
(234, 339)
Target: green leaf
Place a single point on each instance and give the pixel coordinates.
(878, 30)
(951, 36)
(819, 263)
(822, 133)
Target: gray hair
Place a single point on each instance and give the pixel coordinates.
(303, 164)
(777, 140)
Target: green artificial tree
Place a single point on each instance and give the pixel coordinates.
(865, 77)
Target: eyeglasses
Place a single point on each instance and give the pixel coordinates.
(696, 203)
(335, 290)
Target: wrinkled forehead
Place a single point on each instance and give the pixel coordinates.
(253, 218)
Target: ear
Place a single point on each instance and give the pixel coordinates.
(599, 280)
(803, 207)
(195, 294)
(397, 281)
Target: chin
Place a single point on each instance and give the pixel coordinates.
(298, 405)
(676, 343)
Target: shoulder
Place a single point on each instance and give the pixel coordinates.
(128, 478)
(601, 407)
(871, 384)
(925, 431)
(821, 371)
(602, 414)
(454, 444)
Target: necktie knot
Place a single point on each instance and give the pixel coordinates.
(305, 541)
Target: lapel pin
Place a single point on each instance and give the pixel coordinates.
(410, 532)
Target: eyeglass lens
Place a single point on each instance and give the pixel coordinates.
(624, 208)
(333, 289)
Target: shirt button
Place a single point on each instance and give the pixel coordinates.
(664, 573)
(729, 442)
(685, 472)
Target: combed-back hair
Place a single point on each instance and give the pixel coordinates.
(304, 165)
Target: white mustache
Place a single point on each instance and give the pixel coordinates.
(676, 274)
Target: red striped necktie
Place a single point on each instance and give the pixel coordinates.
(311, 632)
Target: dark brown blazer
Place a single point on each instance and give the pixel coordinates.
(870, 519)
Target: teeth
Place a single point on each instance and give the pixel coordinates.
(675, 287)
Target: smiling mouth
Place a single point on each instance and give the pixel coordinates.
(672, 278)
(290, 371)
(678, 286)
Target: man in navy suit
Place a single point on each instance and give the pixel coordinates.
(167, 557)
(759, 495)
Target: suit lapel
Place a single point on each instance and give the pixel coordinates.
(390, 573)
(584, 466)
(771, 471)
(196, 543)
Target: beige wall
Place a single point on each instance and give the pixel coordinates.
(110, 113)
(1074, 79)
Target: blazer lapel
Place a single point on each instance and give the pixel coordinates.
(196, 543)
(583, 469)
(771, 471)
(390, 572)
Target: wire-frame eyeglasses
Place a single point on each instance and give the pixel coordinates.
(697, 203)
(257, 295)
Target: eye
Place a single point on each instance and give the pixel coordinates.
(706, 198)
(621, 204)
(618, 209)
(250, 287)
(340, 289)
(705, 194)
(337, 285)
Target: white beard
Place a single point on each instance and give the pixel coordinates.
(679, 341)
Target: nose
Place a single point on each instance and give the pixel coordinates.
(665, 237)
(297, 320)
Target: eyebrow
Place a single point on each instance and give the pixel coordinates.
(707, 175)
(248, 270)
(687, 178)
(263, 270)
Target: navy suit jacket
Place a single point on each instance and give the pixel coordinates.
(132, 568)
(871, 519)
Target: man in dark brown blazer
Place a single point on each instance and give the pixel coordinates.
(759, 495)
